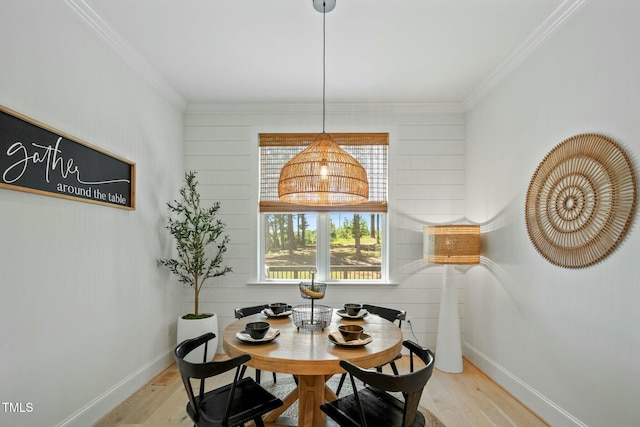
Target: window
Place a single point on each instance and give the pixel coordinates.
(343, 243)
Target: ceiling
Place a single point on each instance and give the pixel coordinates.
(213, 51)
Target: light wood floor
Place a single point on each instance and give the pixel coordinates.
(469, 399)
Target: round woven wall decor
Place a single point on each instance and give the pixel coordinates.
(581, 201)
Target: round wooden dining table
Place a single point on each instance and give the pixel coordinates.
(312, 357)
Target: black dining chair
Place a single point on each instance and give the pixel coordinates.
(231, 405)
(374, 405)
(241, 312)
(392, 315)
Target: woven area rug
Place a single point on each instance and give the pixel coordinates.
(285, 385)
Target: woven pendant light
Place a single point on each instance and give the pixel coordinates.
(323, 174)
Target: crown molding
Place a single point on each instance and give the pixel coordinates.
(122, 48)
(557, 19)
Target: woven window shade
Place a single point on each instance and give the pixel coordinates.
(369, 149)
(452, 244)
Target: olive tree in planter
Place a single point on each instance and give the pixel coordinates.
(201, 245)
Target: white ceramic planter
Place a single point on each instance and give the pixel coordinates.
(191, 328)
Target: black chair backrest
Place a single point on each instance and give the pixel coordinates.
(424, 354)
(204, 370)
(241, 312)
(391, 314)
(410, 384)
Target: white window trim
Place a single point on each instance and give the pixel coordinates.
(259, 251)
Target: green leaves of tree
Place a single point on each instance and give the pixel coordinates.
(195, 228)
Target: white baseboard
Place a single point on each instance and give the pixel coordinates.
(100, 406)
(552, 413)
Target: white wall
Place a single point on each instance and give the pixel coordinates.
(80, 287)
(565, 342)
(426, 177)
(84, 311)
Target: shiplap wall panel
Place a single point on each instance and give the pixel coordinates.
(408, 236)
(235, 221)
(240, 236)
(431, 132)
(452, 207)
(233, 207)
(224, 191)
(216, 148)
(433, 118)
(215, 163)
(426, 184)
(197, 119)
(309, 116)
(430, 191)
(432, 162)
(233, 177)
(432, 147)
(235, 293)
(434, 177)
(217, 133)
(408, 251)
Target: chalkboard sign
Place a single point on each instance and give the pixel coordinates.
(38, 159)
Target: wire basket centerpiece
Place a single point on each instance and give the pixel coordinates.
(310, 316)
(312, 290)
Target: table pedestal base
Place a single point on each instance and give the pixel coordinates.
(310, 393)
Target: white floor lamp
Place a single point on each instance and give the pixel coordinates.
(450, 245)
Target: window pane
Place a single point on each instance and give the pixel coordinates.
(355, 246)
(289, 245)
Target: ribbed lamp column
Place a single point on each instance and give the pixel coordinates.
(450, 245)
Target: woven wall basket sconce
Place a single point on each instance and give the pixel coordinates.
(452, 244)
(581, 201)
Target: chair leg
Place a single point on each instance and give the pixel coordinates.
(258, 421)
(340, 384)
(394, 368)
(258, 376)
(274, 377)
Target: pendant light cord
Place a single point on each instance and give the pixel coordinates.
(324, 42)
